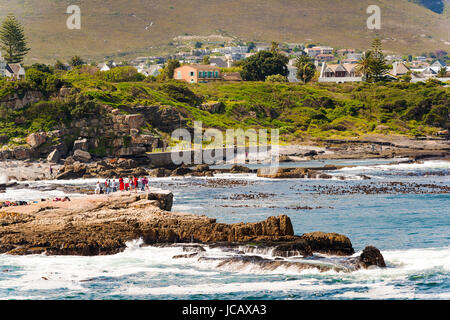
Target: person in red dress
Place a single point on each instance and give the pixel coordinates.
(122, 186)
(136, 183)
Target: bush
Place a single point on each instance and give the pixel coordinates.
(122, 74)
(276, 78)
(180, 92)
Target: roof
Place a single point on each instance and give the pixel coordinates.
(232, 76)
(349, 67)
(14, 68)
(218, 62)
(201, 67)
(399, 68)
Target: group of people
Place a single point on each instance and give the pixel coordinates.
(123, 184)
(5, 204)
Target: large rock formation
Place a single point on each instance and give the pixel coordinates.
(101, 224)
(98, 225)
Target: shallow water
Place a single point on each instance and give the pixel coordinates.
(411, 228)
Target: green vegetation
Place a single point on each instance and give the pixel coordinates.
(305, 69)
(373, 64)
(12, 40)
(300, 112)
(263, 64)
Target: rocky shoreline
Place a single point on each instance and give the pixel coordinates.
(101, 225)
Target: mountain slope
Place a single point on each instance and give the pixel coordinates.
(114, 27)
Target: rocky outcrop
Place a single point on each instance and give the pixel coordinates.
(99, 225)
(212, 107)
(82, 156)
(293, 173)
(239, 169)
(16, 102)
(35, 140)
(54, 156)
(371, 256)
(329, 243)
(81, 144)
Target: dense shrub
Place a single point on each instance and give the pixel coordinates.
(122, 74)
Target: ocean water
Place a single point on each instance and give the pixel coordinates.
(404, 210)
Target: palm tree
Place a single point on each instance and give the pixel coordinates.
(364, 64)
(442, 72)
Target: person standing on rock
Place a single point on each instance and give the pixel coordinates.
(127, 184)
(147, 184)
(51, 172)
(114, 185)
(141, 183)
(98, 188)
(136, 184)
(121, 184)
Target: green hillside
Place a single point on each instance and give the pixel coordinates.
(118, 28)
(301, 112)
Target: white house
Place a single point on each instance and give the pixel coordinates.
(399, 69)
(14, 71)
(2, 66)
(106, 66)
(153, 70)
(340, 73)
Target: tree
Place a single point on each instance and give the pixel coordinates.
(377, 65)
(251, 45)
(305, 69)
(206, 60)
(170, 67)
(274, 47)
(263, 64)
(364, 64)
(442, 72)
(198, 45)
(59, 65)
(372, 64)
(76, 61)
(12, 40)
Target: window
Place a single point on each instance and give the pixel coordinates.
(192, 73)
(179, 75)
(209, 74)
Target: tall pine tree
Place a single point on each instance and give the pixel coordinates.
(12, 40)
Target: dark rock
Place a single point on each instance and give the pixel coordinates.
(295, 248)
(239, 169)
(181, 171)
(329, 243)
(371, 256)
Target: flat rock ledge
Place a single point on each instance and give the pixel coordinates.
(102, 224)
